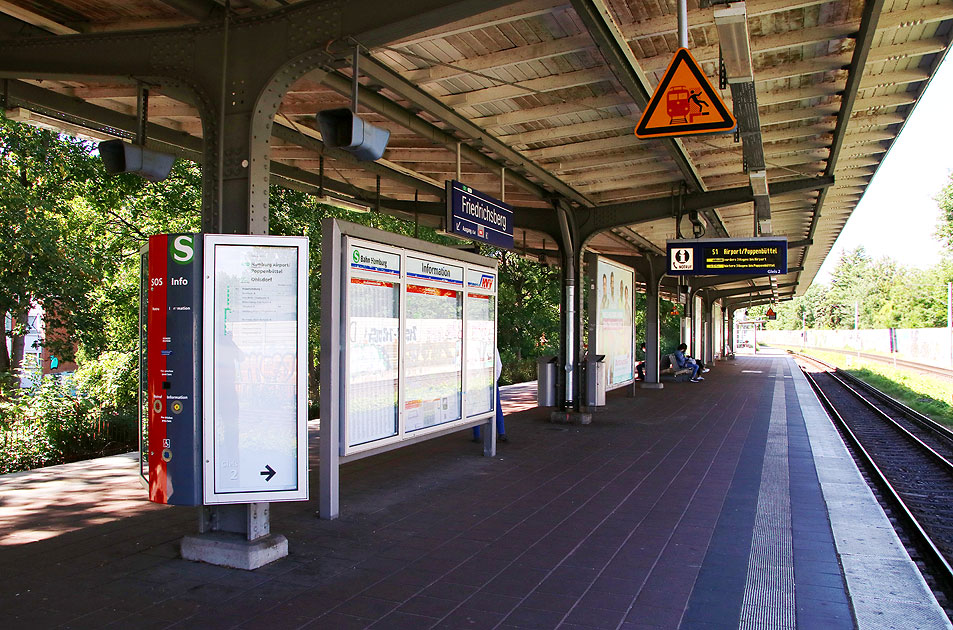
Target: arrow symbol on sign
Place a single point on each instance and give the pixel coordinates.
(267, 473)
(457, 227)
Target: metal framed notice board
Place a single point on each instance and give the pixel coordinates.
(408, 337)
(223, 367)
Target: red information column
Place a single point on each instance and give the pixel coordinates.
(159, 489)
(173, 375)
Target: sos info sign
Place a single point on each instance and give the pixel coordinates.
(223, 368)
(725, 256)
(413, 328)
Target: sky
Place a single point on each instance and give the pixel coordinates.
(897, 215)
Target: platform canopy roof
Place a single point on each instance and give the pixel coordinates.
(546, 94)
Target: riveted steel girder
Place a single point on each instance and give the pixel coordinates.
(631, 213)
(235, 72)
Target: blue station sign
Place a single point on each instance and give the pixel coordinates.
(474, 215)
(727, 256)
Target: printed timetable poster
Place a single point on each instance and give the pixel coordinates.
(434, 345)
(373, 339)
(481, 353)
(615, 294)
(255, 368)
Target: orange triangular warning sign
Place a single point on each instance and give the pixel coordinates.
(684, 103)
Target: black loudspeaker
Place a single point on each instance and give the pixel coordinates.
(343, 129)
(122, 157)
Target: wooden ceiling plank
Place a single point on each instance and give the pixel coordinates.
(564, 131)
(35, 19)
(525, 88)
(515, 11)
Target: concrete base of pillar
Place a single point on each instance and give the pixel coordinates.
(226, 549)
(570, 417)
(653, 385)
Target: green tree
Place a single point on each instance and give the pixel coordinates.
(528, 312)
(40, 176)
(944, 229)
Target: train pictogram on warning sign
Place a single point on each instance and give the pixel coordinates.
(684, 103)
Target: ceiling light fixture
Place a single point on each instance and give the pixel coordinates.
(732, 24)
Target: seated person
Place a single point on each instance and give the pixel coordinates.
(640, 366)
(687, 362)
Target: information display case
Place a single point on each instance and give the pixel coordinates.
(223, 393)
(408, 340)
(419, 328)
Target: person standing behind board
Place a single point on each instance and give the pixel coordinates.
(500, 428)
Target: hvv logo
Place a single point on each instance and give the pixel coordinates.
(486, 281)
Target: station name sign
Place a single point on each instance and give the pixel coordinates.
(477, 216)
(725, 256)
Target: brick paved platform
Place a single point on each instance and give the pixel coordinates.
(702, 505)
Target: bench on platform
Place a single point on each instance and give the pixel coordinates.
(673, 369)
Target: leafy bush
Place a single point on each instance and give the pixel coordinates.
(70, 418)
(110, 380)
(518, 371)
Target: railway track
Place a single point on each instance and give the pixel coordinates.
(910, 365)
(908, 459)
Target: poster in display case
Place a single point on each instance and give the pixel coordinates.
(613, 324)
(373, 343)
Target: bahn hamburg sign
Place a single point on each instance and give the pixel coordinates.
(478, 216)
(726, 256)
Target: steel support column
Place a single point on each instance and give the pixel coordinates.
(570, 316)
(652, 269)
(730, 349)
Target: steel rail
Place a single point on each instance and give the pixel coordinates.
(927, 423)
(913, 415)
(913, 365)
(923, 540)
(939, 459)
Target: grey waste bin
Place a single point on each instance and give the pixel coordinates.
(546, 381)
(597, 373)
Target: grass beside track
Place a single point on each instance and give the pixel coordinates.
(930, 395)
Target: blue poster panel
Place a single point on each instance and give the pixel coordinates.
(725, 256)
(477, 216)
